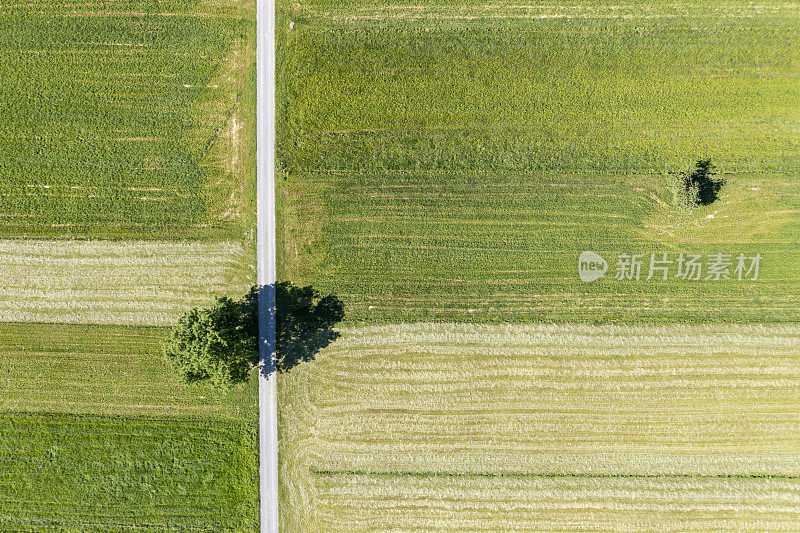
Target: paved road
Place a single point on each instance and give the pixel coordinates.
(267, 390)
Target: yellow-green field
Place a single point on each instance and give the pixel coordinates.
(487, 428)
(116, 282)
(447, 162)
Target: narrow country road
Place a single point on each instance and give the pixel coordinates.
(265, 153)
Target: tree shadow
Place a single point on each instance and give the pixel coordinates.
(293, 323)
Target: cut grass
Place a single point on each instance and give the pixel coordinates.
(119, 282)
(97, 434)
(350, 503)
(451, 427)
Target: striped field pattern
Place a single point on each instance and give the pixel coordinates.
(479, 427)
(116, 282)
(108, 370)
(503, 247)
(449, 161)
(98, 434)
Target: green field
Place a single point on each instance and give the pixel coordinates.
(504, 247)
(441, 166)
(97, 434)
(461, 158)
(503, 428)
(126, 197)
(100, 370)
(122, 120)
(92, 473)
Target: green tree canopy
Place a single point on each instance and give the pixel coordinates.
(215, 343)
(220, 343)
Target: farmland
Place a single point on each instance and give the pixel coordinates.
(504, 247)
(122, 122)
(44, 368)
(126, 198)
(143, 283)
(96, 433)
(462, 158)
(444, 165)
(481, 427)
(85, 472)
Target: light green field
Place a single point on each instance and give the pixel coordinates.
(97, 434)
(126, 120)
(451, 163)
(627, 87)
(117, 282)
(108, 370)
(475, 427)
(504, 247)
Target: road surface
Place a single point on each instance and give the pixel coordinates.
(265, 153)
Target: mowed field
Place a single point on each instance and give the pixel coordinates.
(440, 427)
(145, 283)
(126, 198)
(97, 434)
(461, 157)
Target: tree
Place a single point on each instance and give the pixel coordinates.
(215, 344)
(700, 187)
(221, 343)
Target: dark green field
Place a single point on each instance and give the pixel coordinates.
(114, 119)
(92, 472)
